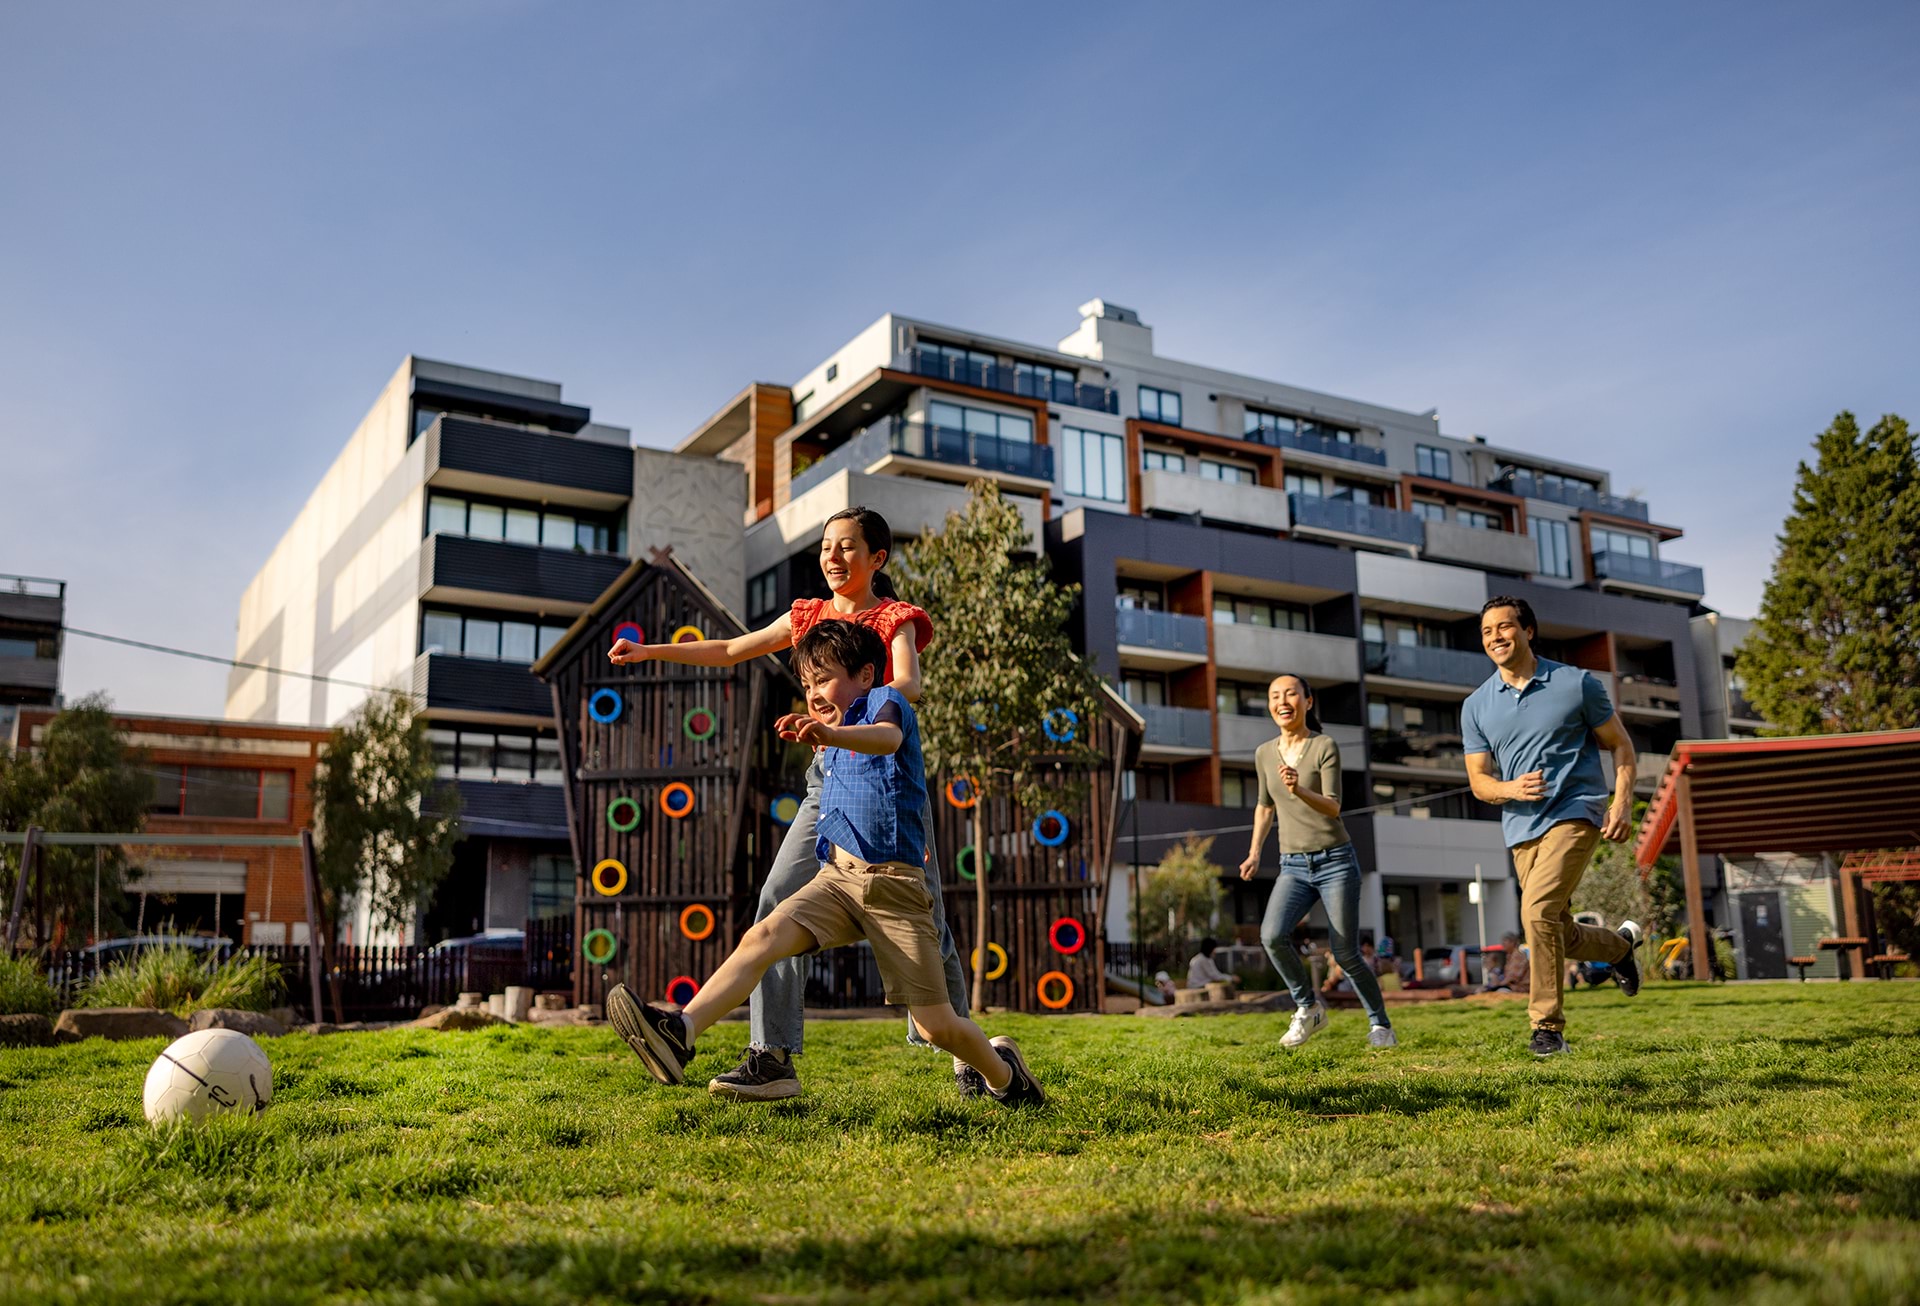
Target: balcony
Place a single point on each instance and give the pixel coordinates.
(512, 810)
(1008, 380)
(476, 687)
(1360, 523)
(1178, 729)
(1437, 666)
(1318, 444)
(1265, 651)
(910, 504)
(1530, 486)
(1648, 694)
(969, 453)
(1630, 571)
(33, 598)
(494, 458)
(1166, 639)
(1478, 546)
(1421, 750)
(1240, 735)
(525, 577)
(1230, 502)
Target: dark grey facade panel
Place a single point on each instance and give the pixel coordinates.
(516, 811)
(32, 609)
(444, 680)
(489, 449)
(527, 570)
(547, 412)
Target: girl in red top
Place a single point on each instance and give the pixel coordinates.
(853, 550)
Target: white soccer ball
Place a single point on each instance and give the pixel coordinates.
(209, 1072)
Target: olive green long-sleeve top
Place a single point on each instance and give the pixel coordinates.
(1302, 830)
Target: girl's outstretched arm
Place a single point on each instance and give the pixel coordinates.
(713, 652)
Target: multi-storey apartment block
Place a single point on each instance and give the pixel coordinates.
(32, 615)
(1225, 528)
(467, 522)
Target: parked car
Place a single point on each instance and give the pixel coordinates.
(488, 941)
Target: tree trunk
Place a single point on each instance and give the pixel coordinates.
(980, 904)
(328, 960)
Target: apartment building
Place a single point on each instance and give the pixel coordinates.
(32, 613)
(466, 522)
(1225, 528)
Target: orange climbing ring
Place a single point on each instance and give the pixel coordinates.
(683, 807)
(619, 878)
(963, 791)
(1054, 977)
(686, 915)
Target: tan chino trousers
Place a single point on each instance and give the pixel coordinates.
(1550, 868)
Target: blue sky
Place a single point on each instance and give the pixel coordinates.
(1671, 240)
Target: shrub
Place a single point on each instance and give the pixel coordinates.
(177, 978)
(24, 989)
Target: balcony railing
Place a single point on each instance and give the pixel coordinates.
(459, 444)
(1656, 573)
(1445, 666)
(1009, 380)
(1179, 727)
(942, 444)
(1350, 518)
(1529, 486)
(1320, 444)
(1433, 751)
(1649, 691)
(531, 571)
(449, 681)
(39, 587)
(1171, 632)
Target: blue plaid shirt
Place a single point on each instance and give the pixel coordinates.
(871, 805)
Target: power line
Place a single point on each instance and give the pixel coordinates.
(231, 662)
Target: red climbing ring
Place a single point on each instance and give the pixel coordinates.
(1075, 931)
(1040, 990)
(630, 630)
(971, 788)
(687, 912)
(682, 989)
(676, 810)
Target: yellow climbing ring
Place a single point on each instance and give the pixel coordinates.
(1000, 960)
(688, 634)
(604, 889)
(1051, 977)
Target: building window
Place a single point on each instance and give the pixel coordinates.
(1159, 460)
(1435, 463)
(1485, 521)
(1238, 788)
(1426, 510)
(491, 638)
(1230, 472)
(1232, 610)
(446, 515)
(1307, 487)
(222, 793)
(1638, 546)
(833, 371)
(1094, 464)
(1240, 698)
(801, 407)
(1254, 420)
(549, 886)
(1144, 689)
(1142, 595)
(1352, 492)
(1043, 381)
(495, 755)
(449, 514)
(423, 417)
(1158, 405)
(969, 366)
(1376, 628)
(980, 421)
(1153, 784)
(763, 594)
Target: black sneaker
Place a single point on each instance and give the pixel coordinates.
(969, 1081)
(1024, 1090)
(761, 1077)
(658, 1035)
(1627, 973)
(1547, 1043)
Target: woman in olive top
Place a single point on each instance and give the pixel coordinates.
(1300, 791)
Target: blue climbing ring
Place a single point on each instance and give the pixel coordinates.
(784, 808)
(1058, 818)
(1061, 734)
(606, 716)
(978, 714)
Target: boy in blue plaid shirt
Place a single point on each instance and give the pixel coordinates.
(871, 884)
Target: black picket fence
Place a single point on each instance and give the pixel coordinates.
(391, 982)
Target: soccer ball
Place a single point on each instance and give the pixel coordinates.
(209, 1072)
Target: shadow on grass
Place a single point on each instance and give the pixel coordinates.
(1391, 1097)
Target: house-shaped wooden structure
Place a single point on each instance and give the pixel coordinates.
(672, 784)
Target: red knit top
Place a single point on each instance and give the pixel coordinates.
(884, 620)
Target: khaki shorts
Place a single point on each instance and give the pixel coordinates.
(885, 903)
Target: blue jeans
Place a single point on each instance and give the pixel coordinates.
(775, 1016)
(1332, 876)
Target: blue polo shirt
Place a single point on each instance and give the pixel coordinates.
(1546, 725)
(871, 805)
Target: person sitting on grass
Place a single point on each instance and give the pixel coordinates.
(872, 884)
(1201, 970)
(1338, 981)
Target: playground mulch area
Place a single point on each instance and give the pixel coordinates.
(1751, 1142)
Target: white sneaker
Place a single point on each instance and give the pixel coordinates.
(1381, 1036)
(1307, 1021)
(1635, 935)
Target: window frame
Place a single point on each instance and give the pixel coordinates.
(1160, 397)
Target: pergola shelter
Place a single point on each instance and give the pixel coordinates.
(1803, 794)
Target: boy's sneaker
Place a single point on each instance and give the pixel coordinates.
(1381, 1036)
(761, 1076)
(1547, 1043)
(1024, 1090)
(969, 1081)
(1626, 973)
(1307, 1021)
(658, 1035)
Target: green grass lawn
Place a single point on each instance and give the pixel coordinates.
(1756, 1142)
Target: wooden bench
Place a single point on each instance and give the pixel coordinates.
(1801, 964)
(1886, 961)
(1841, 947)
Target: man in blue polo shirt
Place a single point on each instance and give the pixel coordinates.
(1540, 723)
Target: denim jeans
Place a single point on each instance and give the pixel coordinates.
(1332, 876)
(775, 1017)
